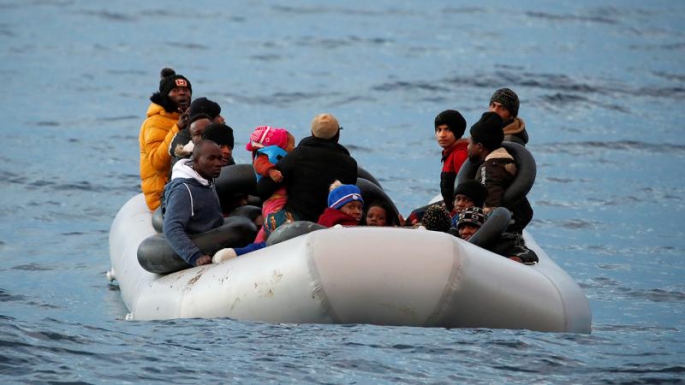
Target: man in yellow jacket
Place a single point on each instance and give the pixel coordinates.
(165, 117)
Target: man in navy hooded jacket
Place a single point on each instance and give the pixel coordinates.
(191, 202)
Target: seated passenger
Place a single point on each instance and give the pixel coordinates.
(200, 107)
(309, 170)
(498, 167)
(192, 205)
(436, 218)
(505, 103)
(222, 135)
(467, 194)
(166, 115)
(345, 206)
(470, 220)
(181, 148)
(379, 214)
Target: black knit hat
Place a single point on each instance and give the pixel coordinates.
(437, 218)
(509, 100)
(220, 134)
(454, 121)
(474, 190)
(204, 106)
(473, 216)
(488, 131)
(171, 80)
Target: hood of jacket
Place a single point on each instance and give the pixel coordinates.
(182, 170)
(516, 126)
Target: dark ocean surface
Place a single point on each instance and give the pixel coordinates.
(601, 84)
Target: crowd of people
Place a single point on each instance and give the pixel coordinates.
(184, 144)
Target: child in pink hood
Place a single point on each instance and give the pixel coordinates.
(269, 145)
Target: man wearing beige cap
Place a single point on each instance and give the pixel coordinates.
(308, 170)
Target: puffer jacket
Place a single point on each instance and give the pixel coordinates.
(156, 134)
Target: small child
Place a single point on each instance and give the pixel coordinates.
(470, 220)
(468, 194)
(268, 146)
(345, 206)
(378, 214)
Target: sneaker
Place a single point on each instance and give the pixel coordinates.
(224, 255)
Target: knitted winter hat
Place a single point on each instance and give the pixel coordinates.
(264, 136)
(453, 120)
(509, 100)
(325, 126)
(220, 134)
(473, 216)
(171, 80)
(204, 106)
(342, 194)
(436, 218)
(474, 190)
(488, 131)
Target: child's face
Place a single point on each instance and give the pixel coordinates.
(466, 231)
(462, 202)
(355, 209)
(376, 216)
(444, 136)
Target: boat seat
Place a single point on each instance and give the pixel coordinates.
(372, 192)
(492, 229)
(156, 255)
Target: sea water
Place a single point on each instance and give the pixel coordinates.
(601, 85)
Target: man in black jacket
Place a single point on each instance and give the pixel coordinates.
(309, 170)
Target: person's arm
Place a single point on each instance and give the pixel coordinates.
(263, 167)
(177, 215)
(267, 186)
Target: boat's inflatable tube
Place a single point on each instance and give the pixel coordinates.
(156, 255)
(492, 229)
(369, 275)
(372, 192)
(291, 230)
(362, 173)
(523, 181)
(241, 179)
(248, 211)
(158, 220)
(236, 179)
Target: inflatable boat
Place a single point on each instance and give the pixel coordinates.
(372, 275)
(384, 276)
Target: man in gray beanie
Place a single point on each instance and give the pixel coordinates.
(505, 103)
